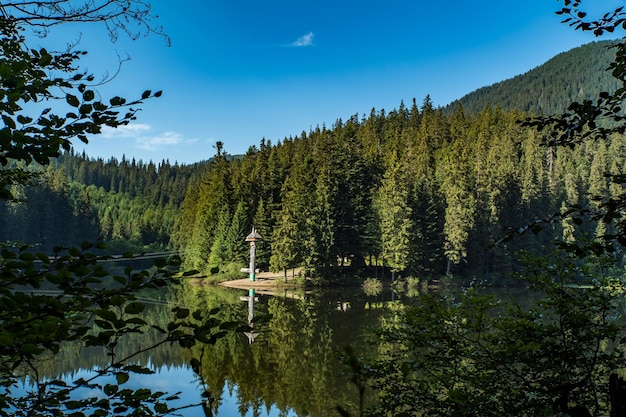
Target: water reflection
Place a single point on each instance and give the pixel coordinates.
(293, 364)
(292, 368)
(287, 365)
(251, 299)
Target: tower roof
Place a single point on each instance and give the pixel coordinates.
(254, 236)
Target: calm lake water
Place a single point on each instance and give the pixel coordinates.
(288, 366)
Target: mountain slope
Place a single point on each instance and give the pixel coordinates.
(574, 75)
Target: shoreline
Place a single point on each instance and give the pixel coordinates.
(263, 280)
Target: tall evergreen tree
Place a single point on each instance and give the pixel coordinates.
(456, 185)
(236, 246)
(219, 252)
(395, 218)
(264, 224)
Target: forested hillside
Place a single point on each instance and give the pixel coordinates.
(413, 189)
(421, 190)
(576, 75)
(79, 198)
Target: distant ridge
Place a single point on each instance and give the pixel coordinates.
(575, 75)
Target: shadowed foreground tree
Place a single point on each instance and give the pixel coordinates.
(474, 355)
(46, 102)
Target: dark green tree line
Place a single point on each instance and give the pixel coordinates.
(472, 354)
(414, 189)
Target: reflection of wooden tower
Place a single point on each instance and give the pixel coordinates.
(251, 299)
(253, 238)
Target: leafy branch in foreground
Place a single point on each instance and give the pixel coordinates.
(47, 302)
(473, 354)
(32, 81)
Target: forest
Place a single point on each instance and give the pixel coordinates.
(419, 190)
(131, 205)
(415, 190)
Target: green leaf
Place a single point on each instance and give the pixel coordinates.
(45, 60)
(138, 369)
(117, 300)
(27, 257)
(110, 389)
(72, 405)
(8, 122)
(72, 100)
(195, 365)
(24, 120)
(229, 325)
(85, 109)
(117, 101)
(121, 377)
(182, 313)
(134, 308)
(104, 324)
(89, 95)
(106, 314)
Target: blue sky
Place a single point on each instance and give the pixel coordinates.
(238, 71)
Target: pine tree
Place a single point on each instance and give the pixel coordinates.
(453, 173)
(394, 212)
(236, 246)
(263, 223)
(219, 253)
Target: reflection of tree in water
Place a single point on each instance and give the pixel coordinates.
(293, 363)
(74, 357)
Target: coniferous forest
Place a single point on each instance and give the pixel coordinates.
(419, 190)
(413, 189)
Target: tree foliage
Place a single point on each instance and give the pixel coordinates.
(27, 85)
(472, 354)
(575, 75)
(130, 17)
(455, 183)
(65, 295)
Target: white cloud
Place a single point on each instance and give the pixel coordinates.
(144, 139)
(166, 139)
(306, 40)
(128, 131)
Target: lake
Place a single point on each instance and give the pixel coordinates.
(289, 365)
